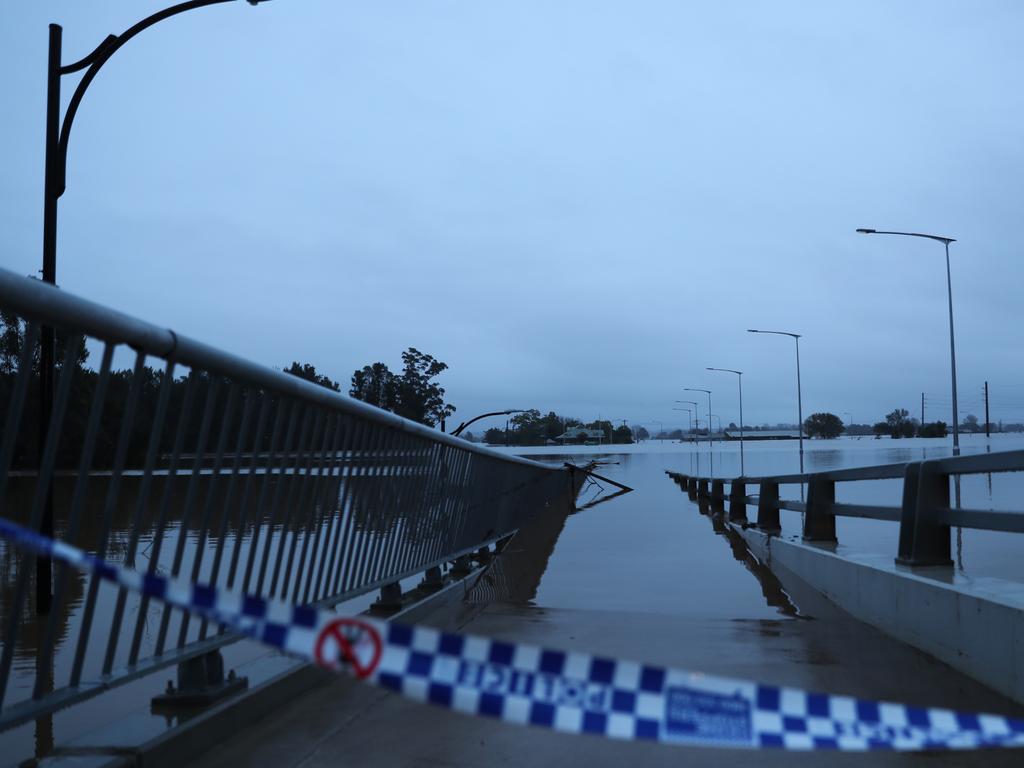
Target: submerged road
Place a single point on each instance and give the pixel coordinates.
(645, 577)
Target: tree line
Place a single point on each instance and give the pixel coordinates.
(411, 393)
(533, 428)
(898, 424)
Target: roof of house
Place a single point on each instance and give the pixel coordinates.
(763, 434)
(576, 432)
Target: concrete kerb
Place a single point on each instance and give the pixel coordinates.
(976, 627)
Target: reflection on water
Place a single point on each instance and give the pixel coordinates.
(771, 588)
(295, 536)
(514, 575)
(978, 553)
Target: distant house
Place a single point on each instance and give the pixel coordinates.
(763, 434)
(581, 434)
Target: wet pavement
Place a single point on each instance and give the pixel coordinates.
(646, 577)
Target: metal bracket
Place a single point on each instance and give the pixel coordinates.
(201, 682)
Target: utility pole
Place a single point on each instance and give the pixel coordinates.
(988, 428)
(922, 409)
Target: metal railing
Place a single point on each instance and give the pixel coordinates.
(925, 515)
(212, 468)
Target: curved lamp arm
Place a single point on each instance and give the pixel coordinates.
(458, 430)
(94, 61)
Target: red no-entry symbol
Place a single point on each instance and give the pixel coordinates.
(350, 642)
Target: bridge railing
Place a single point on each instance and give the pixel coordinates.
(925, 514)
(172, 456)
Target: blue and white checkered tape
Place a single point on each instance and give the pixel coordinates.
(563, 691)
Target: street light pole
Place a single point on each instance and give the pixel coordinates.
(58, 132)
(799, 389)
(711, 439)
(949, 292)
(696, 421)
(689, 413)
(739, 378)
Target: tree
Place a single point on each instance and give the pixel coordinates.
(642, 434)
(308, 372)
(935, 429)
(823, 425)
(881, 428)
(375, 384)
(494, 436)
(970, 423)
(419, 398)
(622, 435)
(604, 426)
(553, 425)
(857, 429)
(899, 423)
(411, 394)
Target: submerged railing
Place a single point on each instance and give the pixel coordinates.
(215, 469)
(925, 515)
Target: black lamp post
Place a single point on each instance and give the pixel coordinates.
(58, 130)
(458, 430)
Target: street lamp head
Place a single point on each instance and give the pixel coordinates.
(866, 231)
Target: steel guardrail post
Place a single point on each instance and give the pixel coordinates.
(768, 508)
(718, 495)
(819, 525)
(930, 543)
(905, 552)
(738, 501)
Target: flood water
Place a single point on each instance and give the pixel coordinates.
(650, 550)
(644, 552)
(645, 576)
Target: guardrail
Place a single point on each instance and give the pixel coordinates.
(215, 469)
(925, 515)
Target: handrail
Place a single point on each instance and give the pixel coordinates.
(221, 471)
(53, 306)
(925, 516)
(1002, 461)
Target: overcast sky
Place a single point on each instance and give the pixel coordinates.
(576, 205)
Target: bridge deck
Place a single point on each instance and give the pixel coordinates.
(348, 723)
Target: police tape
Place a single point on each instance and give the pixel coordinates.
(563, 691)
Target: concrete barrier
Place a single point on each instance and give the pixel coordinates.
(976, 625)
